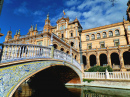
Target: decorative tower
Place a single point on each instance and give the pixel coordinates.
(9, 35)
(128, 11)
(47, 26)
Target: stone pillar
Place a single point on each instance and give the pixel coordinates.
(109, 59)
(88, 62)
(121, 61)
(97, 59)
(52, 51)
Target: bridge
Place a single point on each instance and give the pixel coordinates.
(21, 61)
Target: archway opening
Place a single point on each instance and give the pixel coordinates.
(126, 57)
(115, 59)
(51, 82)
(72, 44)
(62, 49)
(75, 57)
(103, 60)
(92, 60)
(67, 52)
(84, 60)
(55, 46)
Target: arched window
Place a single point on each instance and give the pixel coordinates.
(98, 36)
(72, 44)
(62, 49)
(110, 33)
(62, 35)
(117, 32)
(71, 34)
(104, 35)
(87, 37)
(93, 37)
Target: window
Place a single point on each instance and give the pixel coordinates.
(71, 34)
(117, 32)
(87, 37)
(93, 37)
(102, 44)
(98, 36)
(116, 42)
(63, 27)
(72, 44)
(104, 35)
(62, 36)
(45, 29)
(89, 45)
(110, 33)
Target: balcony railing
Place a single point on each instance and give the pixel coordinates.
(15, 52)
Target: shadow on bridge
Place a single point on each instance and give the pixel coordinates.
(51, 82)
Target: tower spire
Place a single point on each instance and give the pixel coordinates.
(48, 16)
(36, 27)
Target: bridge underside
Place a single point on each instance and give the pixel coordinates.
(47, 71)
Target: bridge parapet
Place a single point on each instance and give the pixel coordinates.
(15, 52)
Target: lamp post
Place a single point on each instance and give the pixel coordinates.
(80, 48)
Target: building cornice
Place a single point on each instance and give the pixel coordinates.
(105, 27)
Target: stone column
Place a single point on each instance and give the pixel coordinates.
(121, 60)
(109, 59)
(97, 59)
(88, 62)
(19, 51)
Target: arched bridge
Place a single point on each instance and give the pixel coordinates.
(21, 61)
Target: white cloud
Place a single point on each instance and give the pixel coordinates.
(22, 9)
(72, 2)
(38, 12)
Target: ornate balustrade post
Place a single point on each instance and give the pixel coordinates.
(10, 53)
(52, 47)
(71, 55)
(19, 51)
(25, 51)
(13, 51)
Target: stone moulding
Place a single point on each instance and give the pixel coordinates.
(13, 75)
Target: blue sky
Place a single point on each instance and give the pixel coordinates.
(20, 14)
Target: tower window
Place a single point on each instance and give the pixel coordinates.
(93, 37)
(72, 44)
(98, 36)
(117, 32)
(62, 35)
(71, 34)
(87, 37)
(89, 45)
(116, 42)
(110, 33)
(45, 29)
(102, 44)
(104, 35)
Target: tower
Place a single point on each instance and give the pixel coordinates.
(47, 26)
(9, 35)
(128, 11)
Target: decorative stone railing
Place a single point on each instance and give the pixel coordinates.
(15, 52)
(107, 75)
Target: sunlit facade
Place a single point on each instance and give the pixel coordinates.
(101, 46)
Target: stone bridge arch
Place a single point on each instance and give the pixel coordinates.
(14, 73)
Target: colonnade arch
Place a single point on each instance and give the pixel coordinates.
(103, 59)
(115, 59)
(84, 60)
(92, 59)
(126, 57)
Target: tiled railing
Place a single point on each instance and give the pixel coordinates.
(15, 52)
